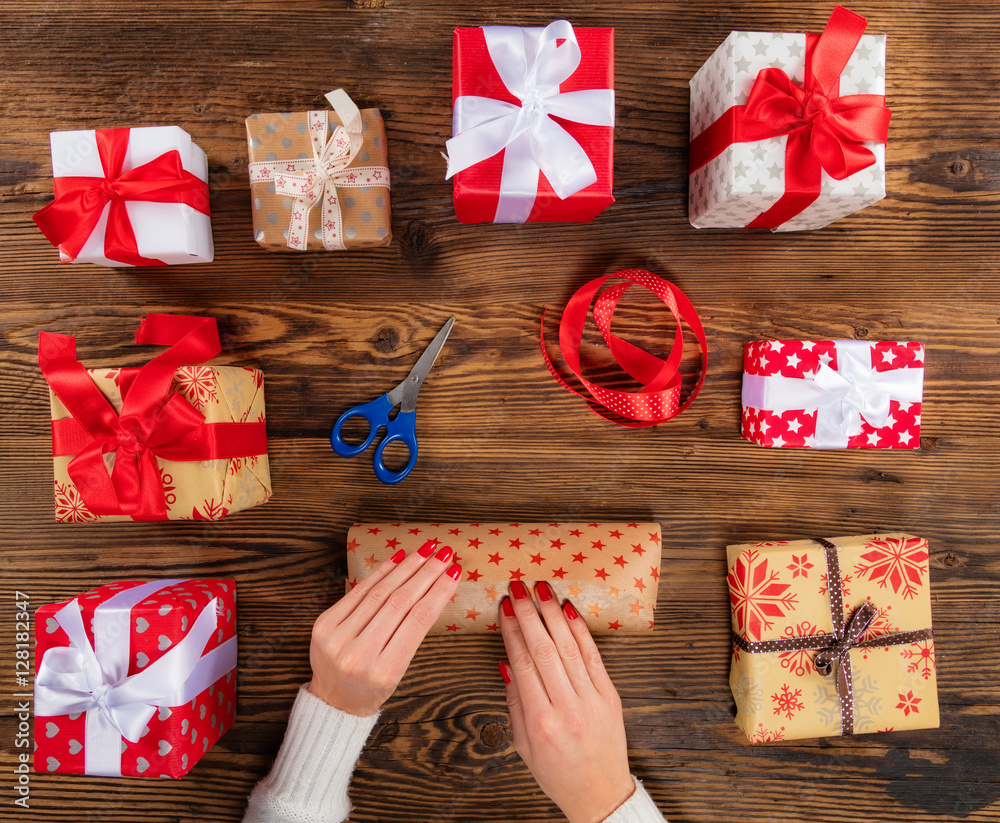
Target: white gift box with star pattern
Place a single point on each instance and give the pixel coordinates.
(832, 394)
(747, 179)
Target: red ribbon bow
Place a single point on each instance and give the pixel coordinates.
(825, 130)
(70, 219)
(154, 422)
(660, 399)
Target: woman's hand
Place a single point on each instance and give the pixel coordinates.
(362, 645)
(564, 709)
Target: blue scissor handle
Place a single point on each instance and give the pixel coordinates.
(402, 429)
(376, 413)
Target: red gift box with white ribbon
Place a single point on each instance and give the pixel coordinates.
(833, 394)
(135, 679)
(533, 124)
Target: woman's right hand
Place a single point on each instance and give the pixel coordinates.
(565, 711)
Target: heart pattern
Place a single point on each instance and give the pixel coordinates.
(176, 737)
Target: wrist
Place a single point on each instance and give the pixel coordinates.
(598, 808)
(341, 702)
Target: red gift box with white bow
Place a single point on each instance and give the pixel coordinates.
(533, 123)
(135, 679)
(832, 394)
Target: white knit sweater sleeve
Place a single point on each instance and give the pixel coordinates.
(309, 780)
(639, 808)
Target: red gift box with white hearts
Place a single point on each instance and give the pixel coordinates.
(135, 679)
(832, 394)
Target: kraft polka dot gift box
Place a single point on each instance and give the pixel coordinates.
(610, 571)
(135, 679)
(320, 180)
(832, 394)
(832, 637)
(788, 131)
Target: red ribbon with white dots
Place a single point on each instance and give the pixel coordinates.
(659, 399)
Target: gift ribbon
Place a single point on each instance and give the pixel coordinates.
(660, 399)
(825, 130)
(154, 422)
(93, 678)
(843, 398)
(833, 650)
(317, 179)
(70, 219)
(532, 63)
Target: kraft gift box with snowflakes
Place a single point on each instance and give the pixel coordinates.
(832, 394)
(135, 678)
(761, 179)
(609, 571)
(832, 636)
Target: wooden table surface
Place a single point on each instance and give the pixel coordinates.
(499, 439)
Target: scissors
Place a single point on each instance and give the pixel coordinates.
(402, 428)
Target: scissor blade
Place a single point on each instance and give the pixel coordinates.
(405, 394)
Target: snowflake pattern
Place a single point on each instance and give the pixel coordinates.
(210, 511)
(800, 565)
(748, 694)
(845, 585)
(826, 705)
(197, 384)
(908, 703)
(800, 661)
(763, 735)
(70, 507)
(899, 562)
(880, 626)
(867, 703)
(787, 701)
(921, 657)
(167, 483)
(756, 595)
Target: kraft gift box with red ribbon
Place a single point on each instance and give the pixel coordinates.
(135, 679)
(833, 394)
(320, 180)
(832, 637)
(128, 197)
(172, 440)
(609, 571)
(788, 131)
(533, 123)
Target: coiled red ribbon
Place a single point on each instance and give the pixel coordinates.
(70, 219)
(660, 399)
(825, 130)
(154, 422)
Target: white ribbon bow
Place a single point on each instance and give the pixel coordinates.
(532, 66)
(310, 181)
(840, 398)
(94, 679)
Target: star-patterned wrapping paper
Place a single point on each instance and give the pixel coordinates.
(610, 571)
(802, 359)
(779, 589)
(748, 178)
(176, 737)
(193, 490)
(365, 210)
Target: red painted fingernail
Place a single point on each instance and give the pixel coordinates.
(398, 556)
(570, 611)
(519, 590)
(544, 591)
(504, 672)
(508, 607)
(444, 554)
(427, 549)
(454, 571)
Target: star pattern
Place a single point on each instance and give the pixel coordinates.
(801, 359)
(604, 583)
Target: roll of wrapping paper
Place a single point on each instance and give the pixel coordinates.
(609, 571)
(660, 398)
